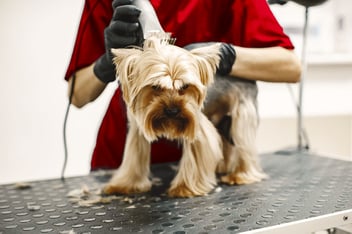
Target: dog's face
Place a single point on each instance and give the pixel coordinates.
(164, 87)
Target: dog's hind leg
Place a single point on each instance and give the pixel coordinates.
(241, 159)
(132, 175)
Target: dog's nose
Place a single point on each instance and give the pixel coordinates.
(171, 111)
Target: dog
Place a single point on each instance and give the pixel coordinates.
(170, 93)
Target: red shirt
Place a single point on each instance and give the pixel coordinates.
(246, 23)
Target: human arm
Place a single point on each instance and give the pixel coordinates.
(271, 64)
(262, 50)
(87, 86)
(123, 30)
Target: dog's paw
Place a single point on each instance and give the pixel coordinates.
(120, 189)
(183, 191)
(180, 192)
(115, 189)
(243, 178)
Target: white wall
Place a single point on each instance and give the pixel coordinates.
(36, 42)
(327, 93)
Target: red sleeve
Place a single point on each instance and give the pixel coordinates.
(89, 43)
(259, 26)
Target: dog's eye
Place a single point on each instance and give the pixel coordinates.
(184, 87)
(156, 87)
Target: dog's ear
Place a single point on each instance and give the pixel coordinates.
(208, 58)
(124, 61)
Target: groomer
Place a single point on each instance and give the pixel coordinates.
(255, 48)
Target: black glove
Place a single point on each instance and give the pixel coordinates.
(227, 56)
(227, 59)
(123, 30)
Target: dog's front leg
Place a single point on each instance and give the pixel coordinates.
(196, 175)
(132, 175)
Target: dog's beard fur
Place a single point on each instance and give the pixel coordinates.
(164, 88)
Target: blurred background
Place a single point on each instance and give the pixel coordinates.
(36, 42)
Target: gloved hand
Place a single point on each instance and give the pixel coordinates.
(227, 56)
(227, 59)
(123, 30)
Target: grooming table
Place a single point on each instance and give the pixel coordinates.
(304, 193)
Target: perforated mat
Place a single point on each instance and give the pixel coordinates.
(299, 187)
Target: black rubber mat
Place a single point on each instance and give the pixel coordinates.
(299, 187)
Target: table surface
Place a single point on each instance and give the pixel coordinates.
(299, 187)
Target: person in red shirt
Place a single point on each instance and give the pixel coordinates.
(254, 48)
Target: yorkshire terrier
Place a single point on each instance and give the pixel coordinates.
(170, 93)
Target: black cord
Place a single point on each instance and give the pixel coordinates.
(71, 95)
(65, 126)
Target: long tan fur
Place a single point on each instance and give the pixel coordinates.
(164, 87)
